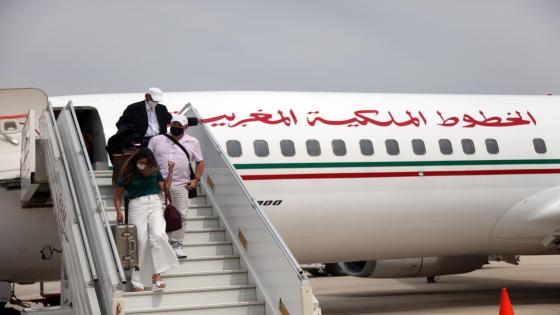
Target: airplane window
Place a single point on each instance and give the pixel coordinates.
(233, 148)
(287, 147)
(339, 147)
(261, 148)
(492, 146)
(392, 146)
(366, 146)
(418, 147)
(468, 146)
(445, 146)
(9, 125)
(313, 147)
(540, 146)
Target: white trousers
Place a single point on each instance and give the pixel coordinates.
(154, 253)
(180, 199)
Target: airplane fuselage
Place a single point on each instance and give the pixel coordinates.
(348, 177)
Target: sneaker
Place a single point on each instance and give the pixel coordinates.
(178, 249)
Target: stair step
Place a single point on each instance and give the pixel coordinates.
(189, 297)
(210, 263)
(200, 211)
(239, 308)
(194, 212)
(188, 280)
(104, 179)
(193, 236)
(105, 183)
(200, 201)
(197, 223)
(206, 249)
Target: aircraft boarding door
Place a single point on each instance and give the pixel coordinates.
(27, 166)
(14, 107)
(33, 171)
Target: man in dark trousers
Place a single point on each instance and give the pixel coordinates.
(148, 118)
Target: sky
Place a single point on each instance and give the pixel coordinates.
(395, 46)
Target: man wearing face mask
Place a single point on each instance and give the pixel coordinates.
(148, 118)
(165, 151)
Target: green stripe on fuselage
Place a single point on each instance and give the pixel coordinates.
(393, 164)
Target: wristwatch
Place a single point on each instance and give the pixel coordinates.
(197, 178)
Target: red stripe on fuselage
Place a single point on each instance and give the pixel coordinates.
(14, 116)
(401, 174)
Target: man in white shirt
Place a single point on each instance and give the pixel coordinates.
(166, 150)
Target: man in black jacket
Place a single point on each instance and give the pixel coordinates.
(147, 118)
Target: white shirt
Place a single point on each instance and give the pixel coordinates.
(153, 125)
(165, 149)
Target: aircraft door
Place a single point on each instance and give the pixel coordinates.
(14, 106)
(93, 136)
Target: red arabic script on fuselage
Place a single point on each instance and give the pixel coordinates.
(373, 117)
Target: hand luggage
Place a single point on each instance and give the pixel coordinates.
(172, 216)
(126, 239)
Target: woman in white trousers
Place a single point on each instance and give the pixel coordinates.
(142, 180)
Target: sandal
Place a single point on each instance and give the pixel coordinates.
(138, 289)
(158, 285)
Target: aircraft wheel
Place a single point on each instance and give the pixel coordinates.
(334, 270)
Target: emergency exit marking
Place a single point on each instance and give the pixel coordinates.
(242, 239)
(210, 183)
(282, 308)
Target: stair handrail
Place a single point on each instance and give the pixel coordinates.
(100, 204)
(106, 261)
(305, 300)
(84, 299)
(290, 257)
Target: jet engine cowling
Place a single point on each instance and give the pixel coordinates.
(413, 267)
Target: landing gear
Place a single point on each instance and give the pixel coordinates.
(322, 270)
(6, 295)
(431, 279)
(8, 310)
(334, 270)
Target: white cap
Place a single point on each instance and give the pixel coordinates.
(155, 93)
(180, 119)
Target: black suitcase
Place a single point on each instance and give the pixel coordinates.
(126, 239)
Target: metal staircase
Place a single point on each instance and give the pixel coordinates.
(237, 263)
(211, 279)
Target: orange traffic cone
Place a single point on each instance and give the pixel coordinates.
(505, 304)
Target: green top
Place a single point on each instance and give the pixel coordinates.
(141, 185)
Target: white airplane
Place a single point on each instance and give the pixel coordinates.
(395, 185)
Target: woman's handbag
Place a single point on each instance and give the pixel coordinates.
(173, 218)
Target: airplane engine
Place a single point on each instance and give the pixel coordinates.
(413, 267)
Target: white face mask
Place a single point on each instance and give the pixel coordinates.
(141, 166)
(152, 104)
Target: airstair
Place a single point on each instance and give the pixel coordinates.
(237, 262)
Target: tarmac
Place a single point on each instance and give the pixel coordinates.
(534, 289)
(533, 286)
